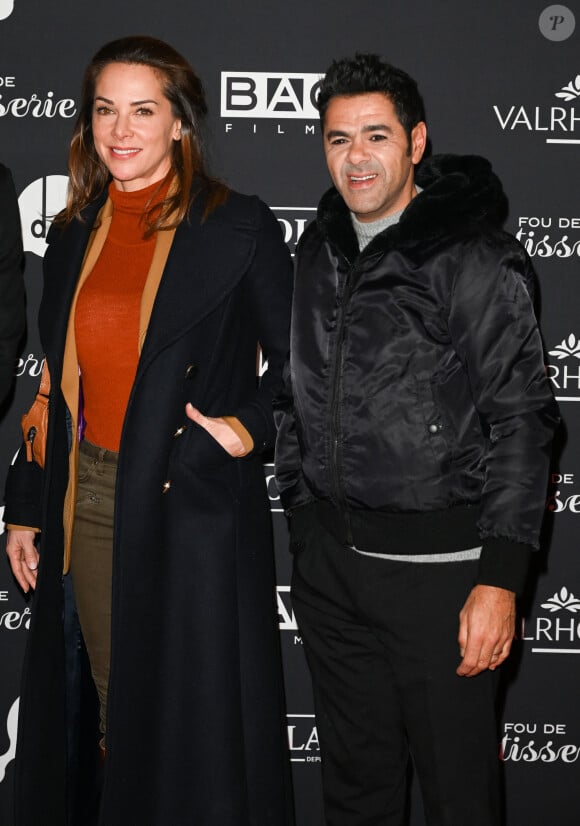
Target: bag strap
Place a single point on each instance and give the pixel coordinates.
(44, 388)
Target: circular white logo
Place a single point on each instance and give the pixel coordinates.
(6, 8)
(557, 22)
(39, 203)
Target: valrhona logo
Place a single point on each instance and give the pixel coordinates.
(533, 742)
(557, 124)
(556, 628)
(564, 369)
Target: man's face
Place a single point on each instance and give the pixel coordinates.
(368, 154)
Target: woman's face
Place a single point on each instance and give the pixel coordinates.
(133, 125)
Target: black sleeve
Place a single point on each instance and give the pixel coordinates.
(12, 304)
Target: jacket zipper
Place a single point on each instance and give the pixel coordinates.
(334, 424)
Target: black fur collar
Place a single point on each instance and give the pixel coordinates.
(460, 194)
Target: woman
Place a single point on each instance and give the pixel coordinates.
(159, 284)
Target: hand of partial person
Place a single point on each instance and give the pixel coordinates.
(487, 624)
(23, 557)
(219, 429)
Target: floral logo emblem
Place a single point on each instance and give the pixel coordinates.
(564, 600)
(567, 347)
(571, 90)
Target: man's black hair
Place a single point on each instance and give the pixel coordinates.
(368, 73)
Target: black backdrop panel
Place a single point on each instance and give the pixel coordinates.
(496, 82)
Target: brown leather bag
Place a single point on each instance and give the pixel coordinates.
(35, 422)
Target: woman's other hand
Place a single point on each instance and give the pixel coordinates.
(219, 430)
(23, 557)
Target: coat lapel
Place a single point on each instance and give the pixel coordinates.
(206, 261)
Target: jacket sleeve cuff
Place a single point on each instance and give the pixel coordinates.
(241, 432)
(504, 564)
(21, 528)
(260, 426)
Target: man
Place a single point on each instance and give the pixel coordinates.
(412, 457)
(12, 309)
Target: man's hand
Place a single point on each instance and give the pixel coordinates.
(23, 558)
(486, 629)
(220, 430)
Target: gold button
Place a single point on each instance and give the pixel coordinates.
(166, 486)
(180, 431)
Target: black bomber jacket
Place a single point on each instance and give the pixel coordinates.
(418, 417)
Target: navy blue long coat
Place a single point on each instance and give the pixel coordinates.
(195, 713)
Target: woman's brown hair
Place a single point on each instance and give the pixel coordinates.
(88, 175)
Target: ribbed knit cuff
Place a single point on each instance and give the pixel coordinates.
(504, 564)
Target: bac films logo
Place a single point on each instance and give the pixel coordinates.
(557, 124)
(259, 97)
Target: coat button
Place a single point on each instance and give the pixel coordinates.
(434, 428)
(190, 371)
(166, 486)
(180, 431)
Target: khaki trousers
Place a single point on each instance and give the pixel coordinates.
(91, 561)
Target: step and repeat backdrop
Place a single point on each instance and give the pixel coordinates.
(499, 79)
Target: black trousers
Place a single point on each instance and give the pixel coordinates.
(381, 641)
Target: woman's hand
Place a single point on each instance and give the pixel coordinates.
(23, 557)
(219, 429)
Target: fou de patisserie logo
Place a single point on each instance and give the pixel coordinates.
(39, 203)
(538, 742)
(557, 123)
(550, 236)
(563, 369)
(6, 8)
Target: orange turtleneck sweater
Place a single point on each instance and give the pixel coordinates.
(107, 316)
